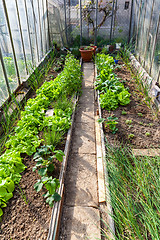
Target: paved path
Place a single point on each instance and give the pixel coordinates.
(80, 217)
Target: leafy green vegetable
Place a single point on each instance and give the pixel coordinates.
(112, 91)
(109, 100)
(25, 136)
(123, 97)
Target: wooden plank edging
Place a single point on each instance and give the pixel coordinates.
(100, 169)
(111, 233)
(57, 208)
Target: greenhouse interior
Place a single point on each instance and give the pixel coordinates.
(79, 119)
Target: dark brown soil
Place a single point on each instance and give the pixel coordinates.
(144, 126)
(28, 221)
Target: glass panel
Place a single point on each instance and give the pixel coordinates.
(7, 53)
(3, 88)
(13, 20)
(152, 35)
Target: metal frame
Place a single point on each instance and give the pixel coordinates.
(44, 26)
(80, 9)
(138, 24)
(21, 34)
(65, 19)
(35, 29)
(49, 37)
(30, 43)
(145, 51)
(11, 39)
(40, 29)
(5, 73)
(95, 33)
(154, 44)
(130, 24)
(142, 29)
(112, 21)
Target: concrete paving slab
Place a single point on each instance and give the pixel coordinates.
(85, 114)
(81, 196)
(82, 190)
(88, 75)
(81, 223)
(87, 84)
(83, 139)
(79, 161)
(81, 217)
(88, 65)
(87, 97)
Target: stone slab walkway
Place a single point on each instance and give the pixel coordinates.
(80, 216)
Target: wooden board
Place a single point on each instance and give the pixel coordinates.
(100, 170)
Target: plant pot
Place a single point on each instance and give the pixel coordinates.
(86, 54)
(95, 47)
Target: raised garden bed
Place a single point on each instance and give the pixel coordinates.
(27, 215)
(131, 133)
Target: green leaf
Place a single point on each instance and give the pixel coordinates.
(50, 200)
(46, 195)
(59, 155)
(1, 212)
(57, 197)
(42, 171)
(38, 186)
(50, 168)
(101, 120)
(34, 168)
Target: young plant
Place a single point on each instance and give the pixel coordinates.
(128, 121)
(124, 112)
(45, 157)
(22, 193)
(112, 123)
(140, 114)
(51, 184)
(130, 136)
(147, 134)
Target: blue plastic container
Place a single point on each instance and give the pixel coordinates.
(116, 61)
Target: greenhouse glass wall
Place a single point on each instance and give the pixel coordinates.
(29, 29)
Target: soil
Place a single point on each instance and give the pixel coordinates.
(144, 126)
(28, 221)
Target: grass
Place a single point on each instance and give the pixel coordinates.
(135, 194)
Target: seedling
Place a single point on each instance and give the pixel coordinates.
(147, 134)
(111, 123)
(140, 114)
(101, 120)
(128, 121)
(22, 193)
(123, 112)
(130, 136)
(141, 123)
(150, 124)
